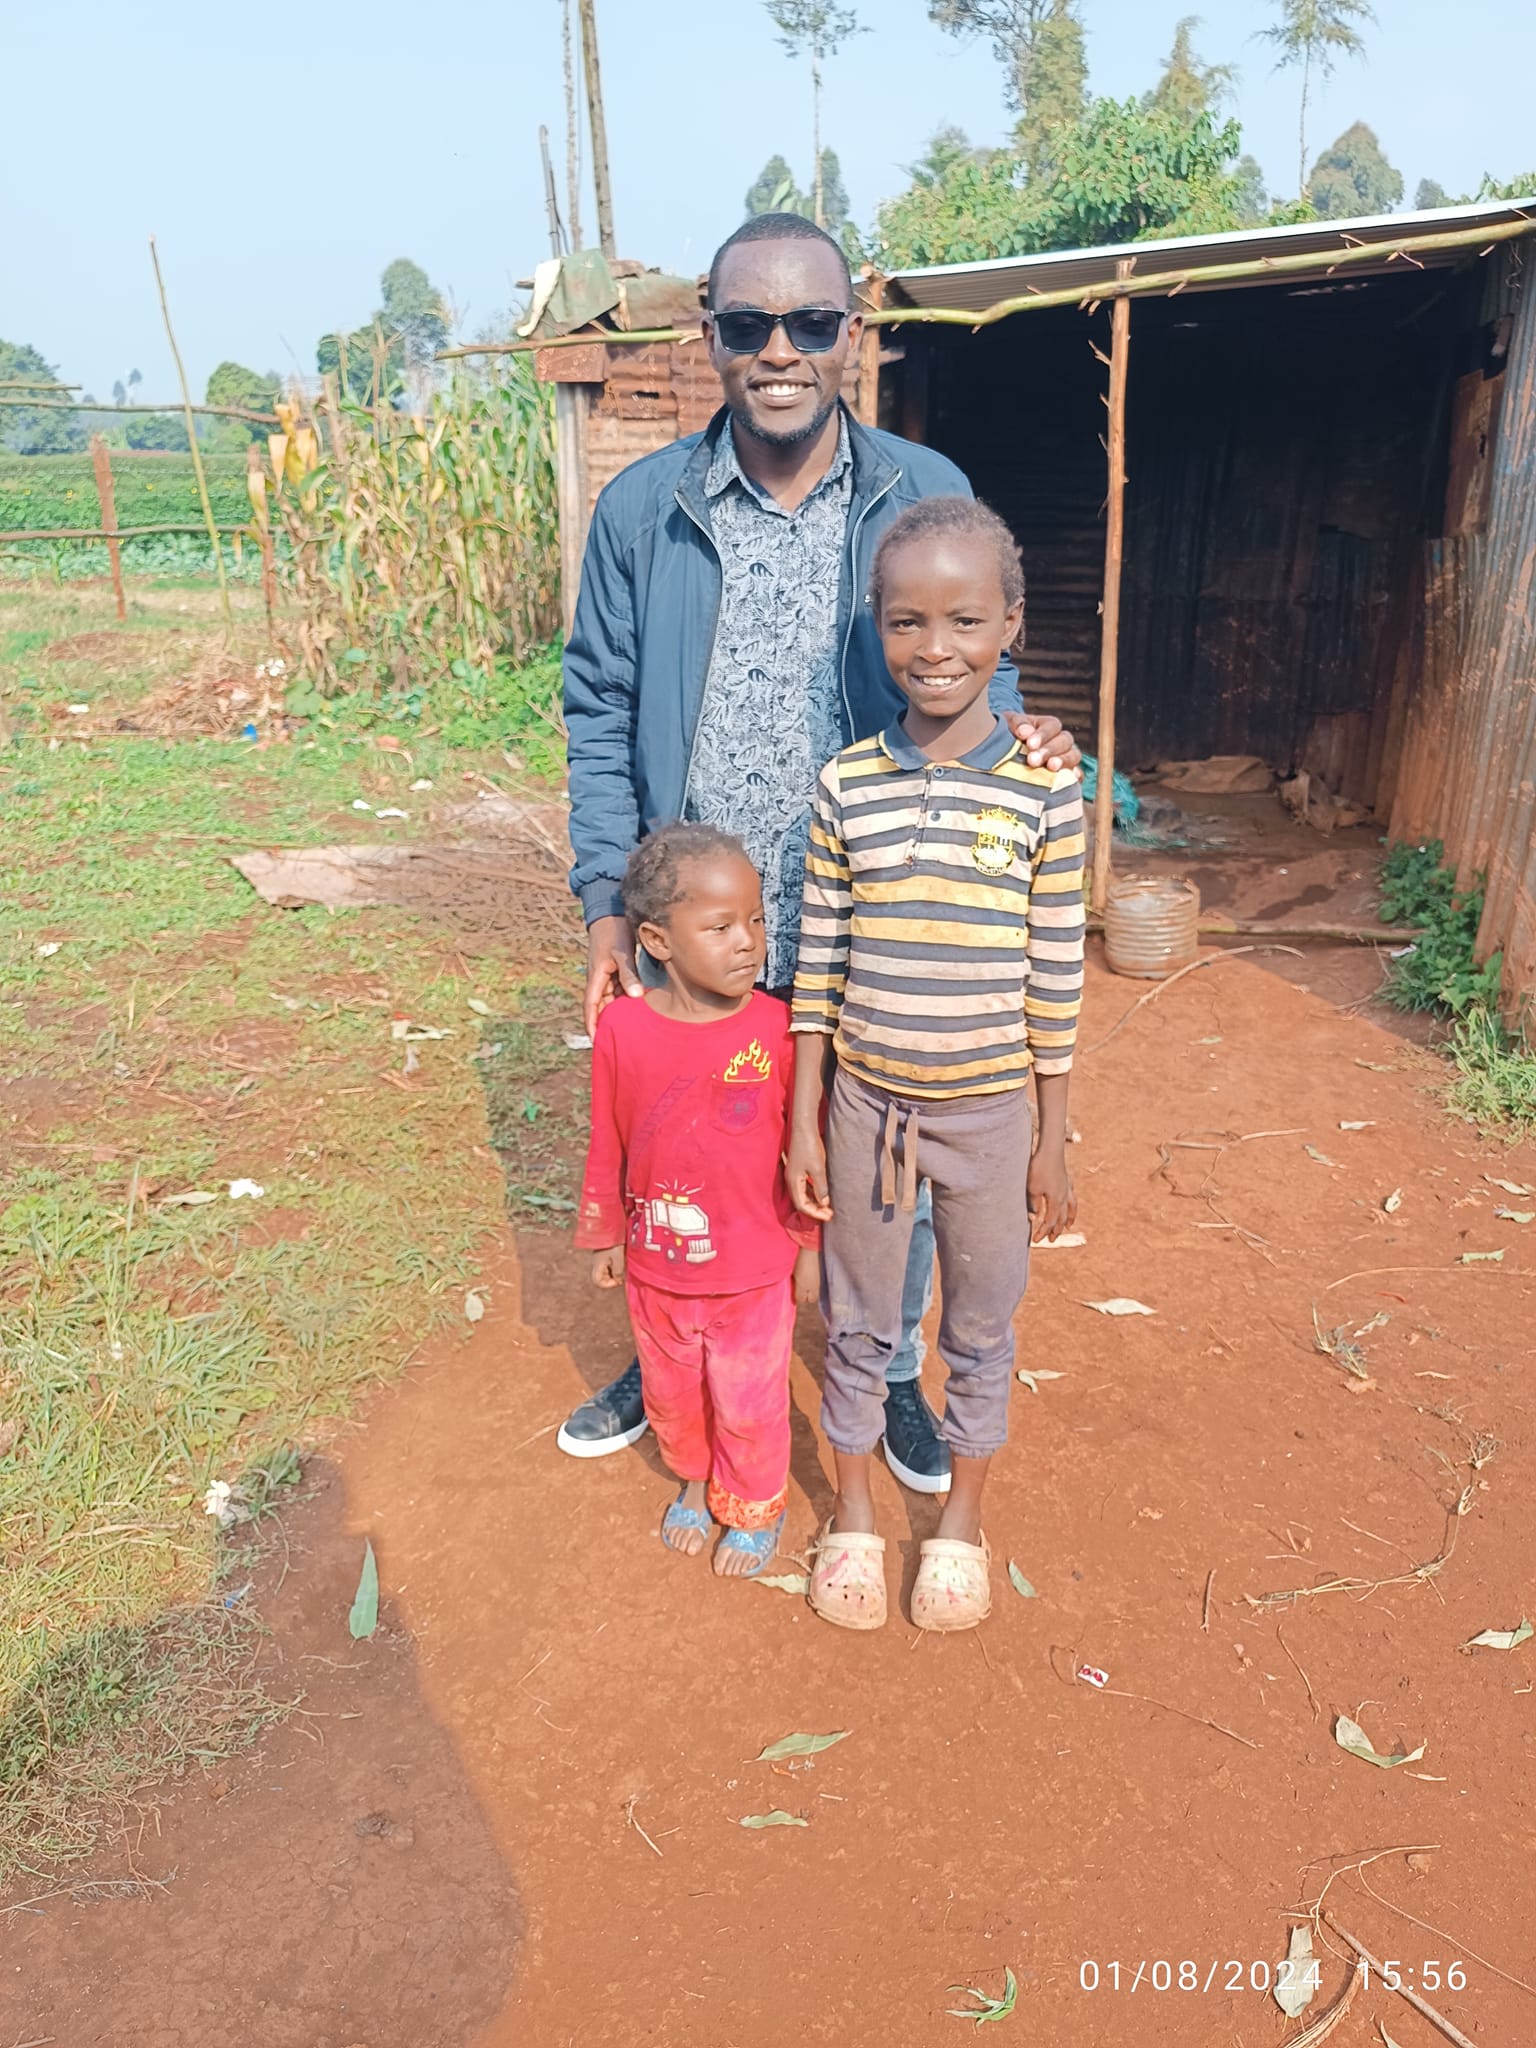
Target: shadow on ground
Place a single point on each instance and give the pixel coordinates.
(339, 1887)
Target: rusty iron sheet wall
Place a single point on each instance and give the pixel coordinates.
(1468, 764)
(1284, 450)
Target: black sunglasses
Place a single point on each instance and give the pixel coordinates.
(812, 330)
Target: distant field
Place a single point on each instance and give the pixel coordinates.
(150, 490)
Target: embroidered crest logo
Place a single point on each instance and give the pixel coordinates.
(993, 848)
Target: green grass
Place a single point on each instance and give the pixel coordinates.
(1495, 1078)
(184, 1035)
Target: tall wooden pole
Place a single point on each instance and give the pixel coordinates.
(1114, 552)
(197, 457)
(598, 130)
(108, 502)
(572, 131)
(551, 203)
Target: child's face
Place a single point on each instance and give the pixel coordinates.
(714, 939)
(944, 622)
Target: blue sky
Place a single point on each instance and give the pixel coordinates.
(283, 156)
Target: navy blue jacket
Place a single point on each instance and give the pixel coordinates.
(644, 631)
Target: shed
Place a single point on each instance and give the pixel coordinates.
(1329, 505)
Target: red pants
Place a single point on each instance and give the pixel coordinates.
(715, 1370)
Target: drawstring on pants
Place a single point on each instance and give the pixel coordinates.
(908, 1122)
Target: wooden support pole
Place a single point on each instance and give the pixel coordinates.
(869, 351)
(598, 130)
(104, 494)
(256, 486)
(196, 452)
(1109, 646)
(573, 402)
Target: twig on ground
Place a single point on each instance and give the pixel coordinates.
(1420, 2005)
(1455, 1940)
(1209, 960)
(1421, 1573)
(1311, 1695)
(1347, 1862)
(630, 1821)
(1379, 1272)
(1205, 1606)
(1112, 1692)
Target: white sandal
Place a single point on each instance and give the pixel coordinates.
(952, 1589)
(848, 1579)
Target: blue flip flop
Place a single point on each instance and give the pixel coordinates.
(678, 1517)
(760, 1544)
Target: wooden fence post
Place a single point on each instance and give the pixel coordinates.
(573, 403)
(1114, 552)
(108, 502)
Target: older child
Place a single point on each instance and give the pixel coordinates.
(940, 964)
(684, 1201)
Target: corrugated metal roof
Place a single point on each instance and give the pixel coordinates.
(972, 287)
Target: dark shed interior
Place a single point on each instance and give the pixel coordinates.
(1286, 458)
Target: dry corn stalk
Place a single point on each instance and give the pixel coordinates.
(414, 542)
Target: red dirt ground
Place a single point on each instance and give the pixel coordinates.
(552, 1683)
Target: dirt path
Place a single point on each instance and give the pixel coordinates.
(551, 1684)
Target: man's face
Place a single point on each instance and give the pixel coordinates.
(779, 395)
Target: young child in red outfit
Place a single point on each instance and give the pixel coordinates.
(684, 1201)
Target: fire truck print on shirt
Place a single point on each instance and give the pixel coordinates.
(688, 1132)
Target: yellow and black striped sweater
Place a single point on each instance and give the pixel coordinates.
(941, 939)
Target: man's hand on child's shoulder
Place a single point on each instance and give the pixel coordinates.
(608, 1266)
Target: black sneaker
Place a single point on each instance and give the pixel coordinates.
(914, 1450)
(614, 1417)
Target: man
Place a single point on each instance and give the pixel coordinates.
(722, 652)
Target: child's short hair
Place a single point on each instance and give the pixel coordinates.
(930, 517)
(653, 876)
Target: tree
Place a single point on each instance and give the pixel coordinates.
(947, 146)
(1352, 177)
(774, 190)
(1316, 33)
(233, 384)
(817, 29)
(413, 309)
(158, 430)
(23, 429)
(372, 362)
(1039, 44)
(1128, 172)
(119, 394)
(834, 195)
(1252, 200)
(1188, 87)
(1431, 194)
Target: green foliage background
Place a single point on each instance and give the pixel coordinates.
(60, 490)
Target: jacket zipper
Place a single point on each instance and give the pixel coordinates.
(914, 851)
(693, 741)
(856, 596)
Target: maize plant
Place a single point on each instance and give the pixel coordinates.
(414, 546)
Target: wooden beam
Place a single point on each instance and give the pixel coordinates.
(1109, 643)
(869, 351)
(1146, 284)
(597, 129)
(573, 403)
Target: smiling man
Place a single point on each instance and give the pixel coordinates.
(722, 652)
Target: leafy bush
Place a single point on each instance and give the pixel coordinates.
(1440, 972)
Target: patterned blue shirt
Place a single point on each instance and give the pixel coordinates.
(772, 714)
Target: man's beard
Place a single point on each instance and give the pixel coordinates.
(743, 423)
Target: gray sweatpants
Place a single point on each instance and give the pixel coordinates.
(974, 1152)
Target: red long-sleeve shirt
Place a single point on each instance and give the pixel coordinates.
(685, 1160)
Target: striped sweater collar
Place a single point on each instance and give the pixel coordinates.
(992, 752)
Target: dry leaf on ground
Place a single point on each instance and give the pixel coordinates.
(776, 1819)
(785, 1582)
(1350, 1735)
(1121, 1305)
(1298, 1976)
(800, 1745)
(1019, 1583)
(1501, 1638)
